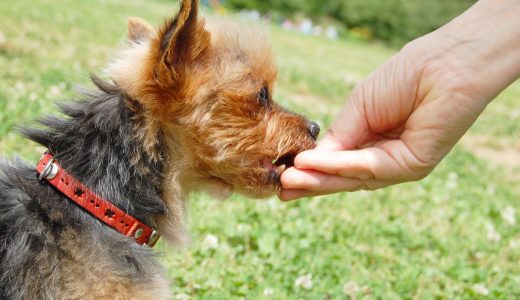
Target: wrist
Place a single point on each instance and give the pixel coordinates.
(442, 66)
(483, 42)
(477, 53)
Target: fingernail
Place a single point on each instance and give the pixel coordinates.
(290, 178)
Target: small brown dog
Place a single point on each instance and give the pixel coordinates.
(190, 108)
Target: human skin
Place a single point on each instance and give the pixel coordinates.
(405, 117)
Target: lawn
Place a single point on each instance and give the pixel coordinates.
(454, 235)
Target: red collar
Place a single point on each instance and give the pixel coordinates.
(100, 208)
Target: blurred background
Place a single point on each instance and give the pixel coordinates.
(453, 235)
(392, 21)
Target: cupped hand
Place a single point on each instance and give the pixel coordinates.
(397, 125)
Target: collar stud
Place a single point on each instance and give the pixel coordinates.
(100, 208)
(138, 233)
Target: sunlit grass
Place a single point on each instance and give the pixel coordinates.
(440, 238)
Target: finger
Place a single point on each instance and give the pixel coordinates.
(349, 127)
(292, 194)
(328, 142)
(322, 183)
(358, 164)
(364, 164)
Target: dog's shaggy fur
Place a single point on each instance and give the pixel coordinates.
(52, 249)
(189, 108)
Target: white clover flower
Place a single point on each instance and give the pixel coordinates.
(243, 228)
(304, 281)
(491, 189)
(54, 91)
(33, 97)
(492, 234)
(19, 85)
(268, 292)
(480, 289)
(182, 296)
(508, 214)
(514, 244)
(479, 255)
(452, 182)
(351, 288)
(210, 242)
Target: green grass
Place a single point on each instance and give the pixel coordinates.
(435, 239)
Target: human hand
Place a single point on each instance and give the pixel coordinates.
(402, 120)
(397, 126)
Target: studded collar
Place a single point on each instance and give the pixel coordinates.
(49, 170)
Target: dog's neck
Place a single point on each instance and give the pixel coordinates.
(97, 144)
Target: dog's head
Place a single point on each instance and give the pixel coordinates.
(205, 89)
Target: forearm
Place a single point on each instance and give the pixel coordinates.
(485, 42)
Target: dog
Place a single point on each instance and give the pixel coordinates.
(189, 107)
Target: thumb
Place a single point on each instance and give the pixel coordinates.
(329, 143)
(348, 129)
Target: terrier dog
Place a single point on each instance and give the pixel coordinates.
(189, 107)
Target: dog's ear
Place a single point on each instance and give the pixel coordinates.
(181, 42)
(139, 30)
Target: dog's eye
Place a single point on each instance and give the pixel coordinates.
(263, 96)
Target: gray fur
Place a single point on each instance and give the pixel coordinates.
(41, 231)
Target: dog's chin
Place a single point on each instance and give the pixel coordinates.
(262, 184)
(258, 179)
(261, 192)
(267, 180)
(266, 185)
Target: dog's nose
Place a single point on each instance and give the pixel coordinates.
(314, 130)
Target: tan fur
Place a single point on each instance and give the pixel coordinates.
(86, 273)
(80, 283)
(200, 93)
(194, 86)
(200, 97)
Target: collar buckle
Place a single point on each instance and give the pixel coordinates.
(50, 171)
(154, 236)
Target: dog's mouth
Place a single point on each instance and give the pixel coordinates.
(277, 166)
